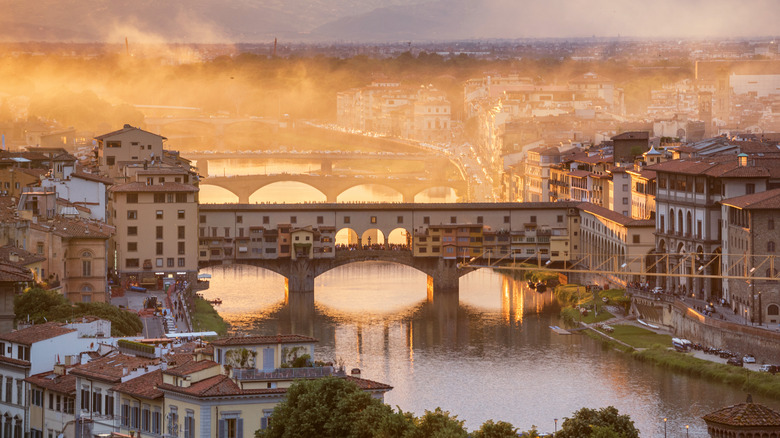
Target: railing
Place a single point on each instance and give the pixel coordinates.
(287, 373)
(667, 298)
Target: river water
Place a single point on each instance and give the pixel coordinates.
(487, 353)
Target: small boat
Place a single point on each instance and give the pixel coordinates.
(532, 285)
(215, 301)
(137, 289)
(541, 287)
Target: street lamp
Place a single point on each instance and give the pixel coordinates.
(664, 427)
(686, 431)
(556, 425)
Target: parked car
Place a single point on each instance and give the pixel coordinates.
(767, 368)
(748, 358)
(658, 290)
(737, 362)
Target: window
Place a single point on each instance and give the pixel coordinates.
(636, 238)
(132, 231)
(125, 414)
(181, 248)
(320, 220)
(399, 219)
(773, 310)
(131, 263)
(132, 246)
(625, 187)
(132, 214)
(169, 262)
(770, 225)
(180, 214)
(373, 219)
(750, 188)
(85, 398)
(23, 353)
(202, 218)
(533, 219)
(145, 418)
(159, 262)
(181, 262)
(86, 268)
(770, 246)
(173, 421)
(159, 232)
(156, 419)
(37, 397)
(97, 401)
(189, 424)
(266, 220)
(293, 219)
(228, 427)
(453, 219)
(110, 161)
(159, 198)
(625, 201)
(181, 198)
(239, 219)
(346, 219)
(427, 220)
(158, 214)
(506, 219)
(159, 248)
(227, 231)
(181, 232)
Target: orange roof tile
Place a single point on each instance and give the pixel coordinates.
(36, 333)
(745, 415)
(257, 340)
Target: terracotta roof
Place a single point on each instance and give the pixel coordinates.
(768, 200)
(7, 209)
(66, 227)
(36, 333)
(219, 385)
(49, 380)
(111, 368)
(92, 177)
(579, 173)
(143, 187)
(369, 385)
(126, 128)
(25, 258)
(144, 386)
(613, 216)
(744, 415)
(14, 362)
(191, 367)
(258, 340)
(632, 135)
(14, 273)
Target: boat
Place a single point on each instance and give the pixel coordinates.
(215, 301)
(541, 287)
(137, 289)
(531, 284)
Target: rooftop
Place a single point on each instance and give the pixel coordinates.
(259, 340)
(36, 333)
(744, 415)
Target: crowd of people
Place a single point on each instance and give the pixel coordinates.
(374, 247)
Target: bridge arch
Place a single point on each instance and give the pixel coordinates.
(443, 193)
(293, 191)
(380, 192)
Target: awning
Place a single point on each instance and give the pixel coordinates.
(202, 276)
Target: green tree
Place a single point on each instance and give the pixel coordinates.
(439, 424)
(604, 423)
(37, 305)
(501, 429)
(334, 407)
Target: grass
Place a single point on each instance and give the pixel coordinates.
(572, 296)
(639, 337)
(205, 318)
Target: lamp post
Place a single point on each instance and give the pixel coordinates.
(556, 424)
(664, 427)
(686, 431)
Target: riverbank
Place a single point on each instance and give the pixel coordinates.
(205, 318)
(648, 346)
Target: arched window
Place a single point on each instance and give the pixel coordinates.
(773, 310)
(770, 246)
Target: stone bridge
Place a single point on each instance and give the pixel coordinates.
(443, 274)
(331, 186)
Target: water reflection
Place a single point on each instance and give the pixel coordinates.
(485, 353)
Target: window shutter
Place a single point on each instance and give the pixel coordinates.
(264, 423)
(240, 428)
(222, 429)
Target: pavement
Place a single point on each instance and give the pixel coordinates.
(154, 326)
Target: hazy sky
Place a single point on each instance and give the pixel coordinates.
(381, 20)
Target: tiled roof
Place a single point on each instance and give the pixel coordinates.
(369, 385)
(36, 333)
(136, 186)
(7, 209)
(111, 368)
(66, 227)
(579, 173)
(14, 362)
(92, 177)
(126, 128)
(144, 386)
(25, 258)
(614, 216)
(14, 273)
(219, 385)
(259, 340)
(191, 367)
(49, 380)
(744, 415)
(768, 200)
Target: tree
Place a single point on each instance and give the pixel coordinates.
(334, 407)
(439, 424)
(500, 429)
(604, 423)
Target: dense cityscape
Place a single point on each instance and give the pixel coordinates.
(419, 235)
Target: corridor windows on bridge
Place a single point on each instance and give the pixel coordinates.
(400, 220)
(770, 246)
(202, 217)
(480, 219)
(506, 219)
(320, 220)
(293, 219)
(266, 220)
(373, 219)
(453, 219)
(560, 218)
(426, 220)
(346, 219)
(636, 238)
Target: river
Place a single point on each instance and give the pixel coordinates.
(487, 353)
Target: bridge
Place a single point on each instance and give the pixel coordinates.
(331, 186)
(443, 274)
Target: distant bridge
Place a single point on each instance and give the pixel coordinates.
(331, 186)
(218, 124)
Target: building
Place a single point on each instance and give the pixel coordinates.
(13, 279)
(156, 221)
(52, 401)
(743, 420)
(127, 146)
(751, 240)
(629, 145)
